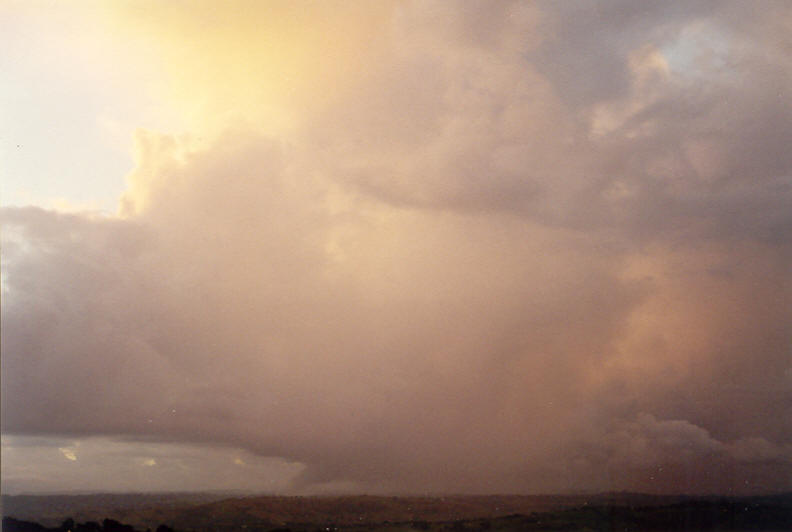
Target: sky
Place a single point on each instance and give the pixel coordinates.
(396, 247)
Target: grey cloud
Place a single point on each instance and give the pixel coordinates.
(697, 149)
(649, 454)
(586, 51)
(760, 450)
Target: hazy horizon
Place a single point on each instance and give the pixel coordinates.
(400, 246)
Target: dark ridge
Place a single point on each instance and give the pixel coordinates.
(606, 513)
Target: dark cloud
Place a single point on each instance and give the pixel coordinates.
(586, 51)
(685, 127)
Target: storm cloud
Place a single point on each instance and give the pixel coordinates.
(521, 248)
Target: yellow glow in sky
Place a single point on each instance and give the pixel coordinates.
(82, 78)
(262, 62)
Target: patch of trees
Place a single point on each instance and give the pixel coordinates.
(11, 524)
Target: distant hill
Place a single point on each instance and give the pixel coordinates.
(52, 510)
(611, 512)
(199, 511)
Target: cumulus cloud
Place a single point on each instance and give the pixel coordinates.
(490, 263)
(268, 315)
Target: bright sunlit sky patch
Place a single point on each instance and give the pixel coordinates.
(81, 78)
(101, 464)
(72, 96)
